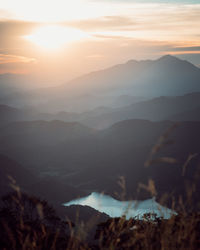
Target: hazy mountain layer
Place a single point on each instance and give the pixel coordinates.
(90, 160)
(157, 109)
(166, 76)
(177, 108)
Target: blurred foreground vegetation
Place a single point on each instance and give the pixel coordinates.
(26, 222)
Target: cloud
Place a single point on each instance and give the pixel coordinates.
(15, 50)
(96, 56)
(12, 32)
(16, 64)
(150, 1)
(103, 23)
(149, 21)
(182, 49)
(4, 59)
(5, 14)
(16, 28)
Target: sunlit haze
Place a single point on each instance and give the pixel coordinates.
(53, 37)
(84, 35)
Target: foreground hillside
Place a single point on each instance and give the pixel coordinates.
(27, 222)
(93, 160)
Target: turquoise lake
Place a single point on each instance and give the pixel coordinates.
(115, 208)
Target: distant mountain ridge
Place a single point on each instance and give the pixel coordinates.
(156, 109)
(166, 76)
(174, 108)
(11, 83)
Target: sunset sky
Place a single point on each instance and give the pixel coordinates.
(57, 40)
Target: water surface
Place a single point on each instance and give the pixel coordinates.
(115, 208)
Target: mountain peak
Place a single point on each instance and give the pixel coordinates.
(132, 62)
(168, 58)
(174, 61)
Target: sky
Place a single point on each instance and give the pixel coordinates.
(57, 40)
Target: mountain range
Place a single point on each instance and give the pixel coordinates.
(166, 76)
(82, 136)
(176, 108)
(93, 160)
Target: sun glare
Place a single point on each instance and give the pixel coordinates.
(54, 37)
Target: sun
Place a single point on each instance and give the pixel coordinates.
(54, 37)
